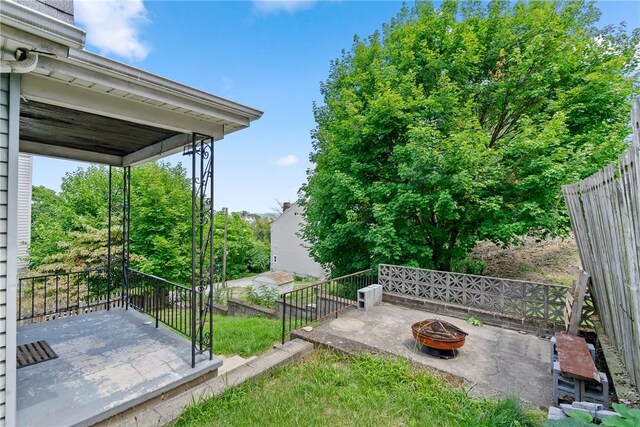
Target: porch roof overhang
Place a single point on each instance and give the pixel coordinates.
(83, 106)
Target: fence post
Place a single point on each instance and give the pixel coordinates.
(337, 297)
(156, 303)
(283, 316)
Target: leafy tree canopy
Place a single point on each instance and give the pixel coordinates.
(460, 124)
(69, 230)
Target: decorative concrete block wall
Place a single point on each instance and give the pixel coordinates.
(501, 298)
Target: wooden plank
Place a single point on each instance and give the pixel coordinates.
(574, 357)
(575, 315)
(567, 309)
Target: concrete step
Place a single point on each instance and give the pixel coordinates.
(231, 362)
(165, 409)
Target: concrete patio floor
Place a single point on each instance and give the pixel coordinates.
(493, 361)
(107, 362)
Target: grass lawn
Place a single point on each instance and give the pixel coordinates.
(329, 389)
(245, 336)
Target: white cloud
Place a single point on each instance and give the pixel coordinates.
(287, 160)
(113, 26)
(276, 6)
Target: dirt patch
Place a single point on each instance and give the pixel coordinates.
(546, 261)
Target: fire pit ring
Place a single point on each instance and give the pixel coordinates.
(438, 334)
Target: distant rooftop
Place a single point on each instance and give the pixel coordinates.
(274, 277)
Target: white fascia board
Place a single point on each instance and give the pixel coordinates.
(68, 153)
(134, 87)
(32, 41)
(26, 19)
(158, 150)
(141, 77)
(55, 92)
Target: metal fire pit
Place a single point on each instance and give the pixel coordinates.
(439, 335)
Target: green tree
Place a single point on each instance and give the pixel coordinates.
(240, 245)
(70, 229)
(460, 124)
(261, 228)
(50, 222)
(161, 220)
(85, 192)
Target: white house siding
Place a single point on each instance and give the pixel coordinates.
(25, 166)
(288, 251)
(4, 157)
(9, 122)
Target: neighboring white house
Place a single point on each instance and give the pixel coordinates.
(25, 165)
(289, 252)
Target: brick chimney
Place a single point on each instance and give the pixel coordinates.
(60, 9)
(285, 206)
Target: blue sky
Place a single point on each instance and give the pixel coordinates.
(269, 55)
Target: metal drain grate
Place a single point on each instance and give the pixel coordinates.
(35, 352)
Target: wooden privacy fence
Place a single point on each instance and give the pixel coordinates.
(605, 215)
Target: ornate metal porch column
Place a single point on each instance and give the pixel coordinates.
(201, 152)
(109, 281)
(126, 227)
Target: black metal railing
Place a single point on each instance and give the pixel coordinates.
(50, 296)
(166, 302)
(303, 306)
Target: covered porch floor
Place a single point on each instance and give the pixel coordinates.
(108, 361)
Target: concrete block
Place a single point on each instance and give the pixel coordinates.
(589, 406)
(566, 408)
(591, 391)
(556, 413)
(599, 414)
(366, 298)
(378, 292)
(564, 387)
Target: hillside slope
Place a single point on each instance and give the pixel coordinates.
(547, 261)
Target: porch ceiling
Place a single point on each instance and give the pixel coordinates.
(42, 123)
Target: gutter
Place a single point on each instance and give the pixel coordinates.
(25, 62)
(122, 71)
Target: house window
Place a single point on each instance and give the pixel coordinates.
(275, 259)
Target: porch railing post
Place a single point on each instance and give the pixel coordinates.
(283, 319)
(156, 311)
